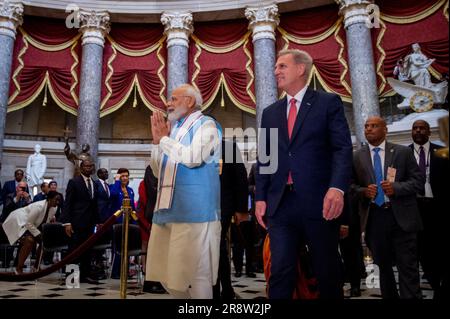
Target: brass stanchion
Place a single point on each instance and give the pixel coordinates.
(126, 210)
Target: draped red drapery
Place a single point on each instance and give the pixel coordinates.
(47, 55)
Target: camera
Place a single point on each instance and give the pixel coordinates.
(23, 189)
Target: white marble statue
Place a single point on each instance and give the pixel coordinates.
(36, 167)
(423, 94)
(416, 66)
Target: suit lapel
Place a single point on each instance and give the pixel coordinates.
(388, 157)
(282, 115)
(305, 107)
(367, 162)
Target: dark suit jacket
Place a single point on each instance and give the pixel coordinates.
(79, 208)
(408, 183)
(233, 181)
(439, 169)
(319, 154)
(10, 187)
(103, 201)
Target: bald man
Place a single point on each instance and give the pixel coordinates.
(386, 181)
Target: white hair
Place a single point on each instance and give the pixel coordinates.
(194, 92)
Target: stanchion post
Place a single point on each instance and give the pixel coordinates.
(126, 209)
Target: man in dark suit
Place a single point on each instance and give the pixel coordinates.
(432, 206)
(10, 186)
(80, 214)
(387, 179)
(300, 187)
(103, 199)
(43, 194)
(233, 202)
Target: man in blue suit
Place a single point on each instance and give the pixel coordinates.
(10, 186)
(300, 200)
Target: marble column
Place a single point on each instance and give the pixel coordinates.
(10, 18)
(361, 63)
(94, 26)
(263, 22)
(177, 27)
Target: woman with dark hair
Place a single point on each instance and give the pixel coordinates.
(120, 190)
(25, 225)
(148, 189)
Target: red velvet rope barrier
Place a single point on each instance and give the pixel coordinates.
(69, 258)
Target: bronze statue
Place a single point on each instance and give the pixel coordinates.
(78, 156)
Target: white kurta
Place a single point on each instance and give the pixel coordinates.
(185, 245)
(26, 218)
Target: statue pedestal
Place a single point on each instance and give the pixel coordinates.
(406, 123)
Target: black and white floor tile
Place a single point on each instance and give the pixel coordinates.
(53, 287)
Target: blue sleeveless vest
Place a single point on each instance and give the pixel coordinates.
(196, 195)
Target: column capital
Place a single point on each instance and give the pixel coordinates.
(94, 25)
(355, 11)
(10, 18)
(178, 27)
(263, 21)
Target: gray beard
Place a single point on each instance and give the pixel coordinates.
(177, 114)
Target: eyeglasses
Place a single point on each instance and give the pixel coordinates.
(175, 98)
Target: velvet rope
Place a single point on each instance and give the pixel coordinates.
(69, 258)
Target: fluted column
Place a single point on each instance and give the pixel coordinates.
(94, 26)
(263, 22)
(177, 27)
(361, 63)
(10, 18)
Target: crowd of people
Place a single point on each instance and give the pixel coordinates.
(318, 204)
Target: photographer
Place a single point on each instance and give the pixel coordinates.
(16, 200)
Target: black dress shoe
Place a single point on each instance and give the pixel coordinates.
(355, 292)
(238, 274)
(153, 287)
(250, 275)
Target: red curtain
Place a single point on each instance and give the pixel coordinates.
(220, 55)
(311, 22)
(131, 53)
(229, 55)
(48, 31)
(45, 46)
(404, 7)
(136, 37)
(431, 33)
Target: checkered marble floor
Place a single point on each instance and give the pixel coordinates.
(53, 286)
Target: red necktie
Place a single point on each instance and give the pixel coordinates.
(291, 122)
(292, 116)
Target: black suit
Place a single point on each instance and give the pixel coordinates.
(80, 210)
(233, 198)
(391, 230)
(103, 201)
(10, 187)
(433, 211)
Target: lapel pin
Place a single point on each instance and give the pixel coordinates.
(307, 103)
(392, 150)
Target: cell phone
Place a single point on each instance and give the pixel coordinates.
(23, 189)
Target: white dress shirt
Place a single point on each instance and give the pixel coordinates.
(426, 149)
(298, 98)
